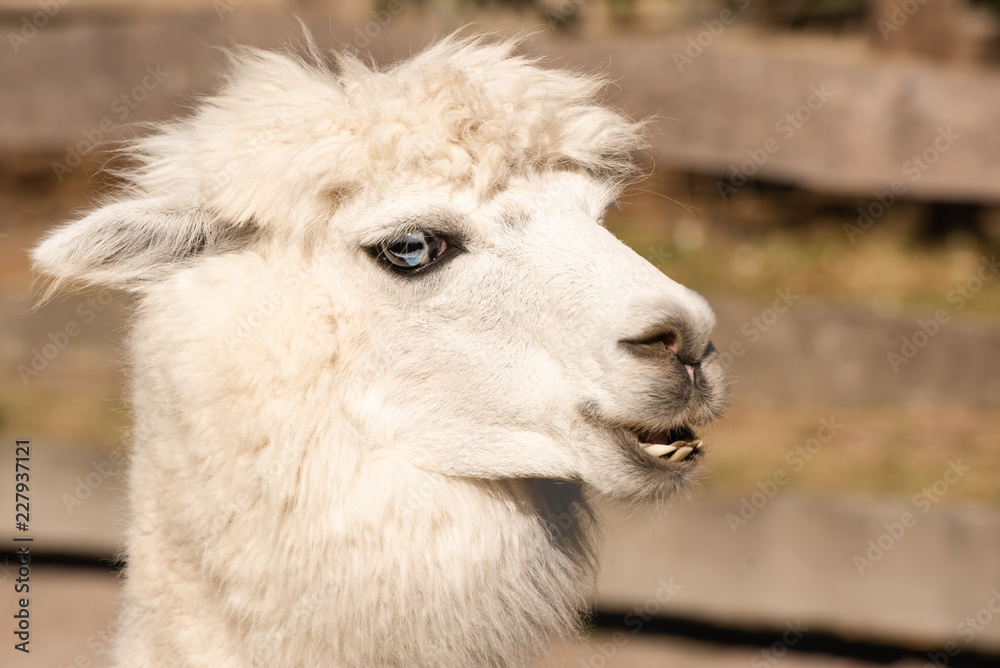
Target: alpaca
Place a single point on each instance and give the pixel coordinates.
(383, 350)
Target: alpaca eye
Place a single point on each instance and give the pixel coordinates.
(413, 250)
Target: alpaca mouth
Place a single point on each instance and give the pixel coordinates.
(674, 445)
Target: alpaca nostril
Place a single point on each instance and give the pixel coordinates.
(674, 343)
(710, 355)
(670, 341)
(657, 344)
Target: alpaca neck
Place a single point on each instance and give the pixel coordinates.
(394, 566)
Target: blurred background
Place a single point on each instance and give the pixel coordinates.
(826, 172)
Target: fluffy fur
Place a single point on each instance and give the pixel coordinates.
(340, 464)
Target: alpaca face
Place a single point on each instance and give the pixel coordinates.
(360, 293)
(519, 338)
(428, 246)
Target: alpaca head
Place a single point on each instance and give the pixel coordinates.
(416, 254)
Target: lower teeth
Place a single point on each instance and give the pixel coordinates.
(678, 450)
(681, 454)
(659, 449)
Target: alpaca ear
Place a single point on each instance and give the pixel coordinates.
(128, 245)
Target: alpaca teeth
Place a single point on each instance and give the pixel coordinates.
(659, 449)
(681, 454)
(679, 444)
(696, 444)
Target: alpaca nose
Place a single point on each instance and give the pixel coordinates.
(670, 340)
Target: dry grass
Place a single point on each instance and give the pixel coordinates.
(64, 412)
(890, 450)
(884, 269)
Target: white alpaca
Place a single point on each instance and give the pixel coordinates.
(382, 347)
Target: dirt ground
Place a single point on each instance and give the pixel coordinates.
(74, 613)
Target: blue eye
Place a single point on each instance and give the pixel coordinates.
(413, 250)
